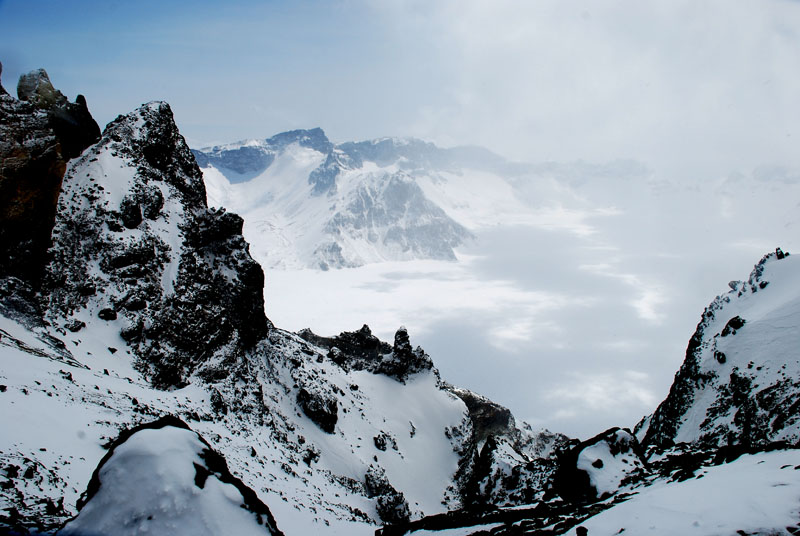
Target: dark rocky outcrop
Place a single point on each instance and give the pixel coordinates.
(319, 407)
(176, 275)
(488, 418)
(391, 504)
(39, 133)
(361, 350)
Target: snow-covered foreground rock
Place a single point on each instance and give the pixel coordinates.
(162, 478)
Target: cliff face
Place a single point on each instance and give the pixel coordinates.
(135, 245)
(39, 133)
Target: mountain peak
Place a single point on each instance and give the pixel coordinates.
(313, 138)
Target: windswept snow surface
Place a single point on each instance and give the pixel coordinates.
(755, 494)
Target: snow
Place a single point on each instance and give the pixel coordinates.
(148, 486)
(758, 492)
(465, 531)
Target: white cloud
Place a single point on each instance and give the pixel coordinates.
(602, 392)
(680, 81)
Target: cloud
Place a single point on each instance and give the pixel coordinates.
(649, 297)
(668, 82)
(602, 392)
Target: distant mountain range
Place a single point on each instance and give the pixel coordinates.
(309, 203)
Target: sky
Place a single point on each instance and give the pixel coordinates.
(685, 85)
(704, 94)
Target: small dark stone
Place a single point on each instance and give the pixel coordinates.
(130, 212)
(112, 349)
(733, 324)
(107, 314)
(321, 409)
(3, 388)
(75, 325)
(598, 463)
(86, 289)
(719, 356)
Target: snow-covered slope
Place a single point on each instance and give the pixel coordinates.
(756, 494)
(740, 381)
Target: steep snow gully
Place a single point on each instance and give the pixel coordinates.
(143, 389)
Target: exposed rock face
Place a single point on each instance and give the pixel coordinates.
(162, 477)
(739, 382)
(600, 466)
(361, 350)
(2, 89)
(175, 276)
(510, 464)
(488, 418)
(39, 133)
(320, 408)
(391, 505)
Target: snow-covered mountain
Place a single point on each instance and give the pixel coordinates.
(740, 381)
(143, 389)
(310, 203)
(150, 307)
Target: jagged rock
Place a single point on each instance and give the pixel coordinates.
(181, 278)
(361, 350)
(733, 324)
(18, 302)
(509, 464)
(162, 477)
(322, 409)
(488, 418)
(35, 87)
(38, 135)
(391, 504)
